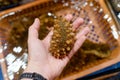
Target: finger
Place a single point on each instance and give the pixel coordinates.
(49, 35)
(48, 38)
(33, 29)
(68, 17)
(77, 45)
(83, 32)
(77, 23)
(81, 37)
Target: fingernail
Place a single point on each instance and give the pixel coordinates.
(80, 20)
(36, 19)
(68, 17)
(77, 23)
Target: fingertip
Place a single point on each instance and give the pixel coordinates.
(51, 32)
(37, 20)
(83, 32)
(33, 30)
(80, 20)
(36, 23)
(69, 17)
(77, 23)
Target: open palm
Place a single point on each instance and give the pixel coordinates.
(40, 60)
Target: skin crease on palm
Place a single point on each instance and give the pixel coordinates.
(40, 60)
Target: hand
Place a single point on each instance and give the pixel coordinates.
(40, 60)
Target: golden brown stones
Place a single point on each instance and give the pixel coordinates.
(63, 38)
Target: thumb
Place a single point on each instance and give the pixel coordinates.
(33, 30)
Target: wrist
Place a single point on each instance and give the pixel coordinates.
(33, 76)
(42, 70)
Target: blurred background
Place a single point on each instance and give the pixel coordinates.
(97, 59)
